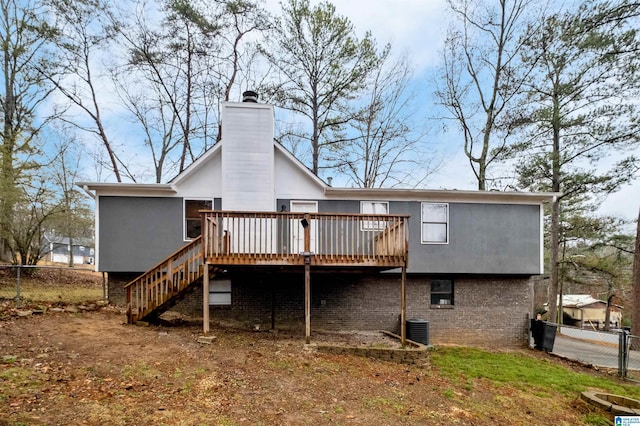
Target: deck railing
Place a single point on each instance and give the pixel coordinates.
(279, 238)
(164, 281)
(257, 238)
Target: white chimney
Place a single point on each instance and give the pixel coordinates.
(247, 156)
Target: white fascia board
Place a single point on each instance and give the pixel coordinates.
(541, 272)
(129, 189)
(460, 196)
(96, 230)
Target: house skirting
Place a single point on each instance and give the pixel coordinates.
(487, 311)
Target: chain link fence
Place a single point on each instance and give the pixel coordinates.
(630, 356)
(614, 350)
(42, 287)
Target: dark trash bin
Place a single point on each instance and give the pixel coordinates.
(544, 334)
(548, 336)
(418, 331)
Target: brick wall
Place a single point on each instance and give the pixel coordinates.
(115, 285)
(488, 311)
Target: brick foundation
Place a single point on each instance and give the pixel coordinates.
(116, 283)
(488, 311)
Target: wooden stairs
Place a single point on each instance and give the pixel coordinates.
(162, 286)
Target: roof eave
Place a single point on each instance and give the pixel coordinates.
(444, 195)
(103, 188)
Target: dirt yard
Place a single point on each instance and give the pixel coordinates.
(91, 368)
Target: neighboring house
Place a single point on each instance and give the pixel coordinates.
(285, 249)
(586, 311)
(60, 249)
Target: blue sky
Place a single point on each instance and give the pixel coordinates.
(417, 28)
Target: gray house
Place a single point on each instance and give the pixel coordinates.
(247, 233)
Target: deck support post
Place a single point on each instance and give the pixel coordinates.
(305, 222)
(307, 297)
(205, 299)
(403, 306)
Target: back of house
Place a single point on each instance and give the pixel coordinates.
(470, 256)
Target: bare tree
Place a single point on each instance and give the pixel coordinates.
(386, 149)
(85, 28)
(323, 66)
(166, 62)
(177, 73)
(235, 56)
(24, 37)
(37, 205)
(482, 75)
(158, 122)
(72, 219)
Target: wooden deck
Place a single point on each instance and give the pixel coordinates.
(295, 240)
(339, 240)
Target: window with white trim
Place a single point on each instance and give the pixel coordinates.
(192, 220)
(435, 223)
(373, 208)
(442, 292)
(220, 292)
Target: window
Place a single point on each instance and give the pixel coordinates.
(435, 223)
(192, 217)
(220, 292)
(442, 292)
(373, 207)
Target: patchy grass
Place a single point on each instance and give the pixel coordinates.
(542, 377)
(526, 381)
(51, 286)
(91, 368)
(35, 293)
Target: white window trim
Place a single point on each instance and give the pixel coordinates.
(422, 240)
(373, 225)
(184, 213)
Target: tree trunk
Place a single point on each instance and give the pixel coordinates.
(553, 284)
(70, 252)
(555, 209)
(635, 313)
(607, 313)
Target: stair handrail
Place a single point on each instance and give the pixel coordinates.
(185, 247)
(146, 300)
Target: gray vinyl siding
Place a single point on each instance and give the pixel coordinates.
(136, 233)
(483, 238)
(325, 206)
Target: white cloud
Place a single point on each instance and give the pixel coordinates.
(624, 203)
(415, 27)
